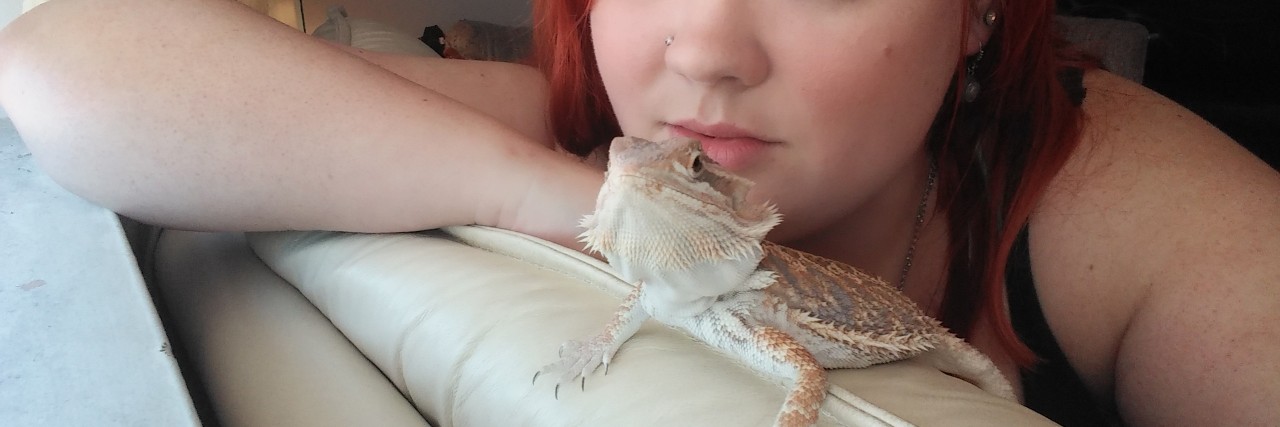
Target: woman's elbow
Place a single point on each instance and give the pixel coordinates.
(35, 98)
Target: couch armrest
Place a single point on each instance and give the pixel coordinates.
(460, 321)
(263, 354)
(1120, 45)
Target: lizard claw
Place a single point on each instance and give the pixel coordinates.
(577, 360)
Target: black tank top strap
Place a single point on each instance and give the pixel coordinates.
(1072, 79)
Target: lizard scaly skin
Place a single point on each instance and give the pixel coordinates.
(680, 228)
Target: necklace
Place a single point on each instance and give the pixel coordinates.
(915, 231)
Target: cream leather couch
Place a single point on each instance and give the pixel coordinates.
(447, 328)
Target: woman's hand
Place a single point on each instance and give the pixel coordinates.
(551, 204)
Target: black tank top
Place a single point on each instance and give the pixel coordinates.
(1050, 387)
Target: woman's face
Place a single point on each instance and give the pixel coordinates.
(824, 103)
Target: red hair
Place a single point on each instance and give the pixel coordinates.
(581, 116)
(995, 155)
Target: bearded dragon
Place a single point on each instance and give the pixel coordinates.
(679, 227)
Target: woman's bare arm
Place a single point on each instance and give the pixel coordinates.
(201, 114)
(1161, 285)
(513, 94)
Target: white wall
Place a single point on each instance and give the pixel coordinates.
(9, 9)
(412, 15)
(285, 11)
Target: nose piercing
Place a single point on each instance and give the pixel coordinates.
(669, 40)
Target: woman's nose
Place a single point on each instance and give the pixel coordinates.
(717, 42)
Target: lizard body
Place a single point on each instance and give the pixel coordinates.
(680, 228)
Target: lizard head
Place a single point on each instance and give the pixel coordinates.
(656, 193)
(680, 164)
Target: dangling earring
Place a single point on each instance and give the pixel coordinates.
(971, 86)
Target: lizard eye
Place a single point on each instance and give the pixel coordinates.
(697, 165)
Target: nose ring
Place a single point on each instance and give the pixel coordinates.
(669, 40)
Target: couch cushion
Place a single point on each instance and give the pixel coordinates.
(460, 321)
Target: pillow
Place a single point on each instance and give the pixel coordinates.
(485, 41)
(368, 34)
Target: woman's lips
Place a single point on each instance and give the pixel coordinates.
(731, 147)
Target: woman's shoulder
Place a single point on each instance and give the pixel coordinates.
(1155, 216)
(1144, 164)
(1118, 109)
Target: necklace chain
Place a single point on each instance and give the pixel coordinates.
(915, 231)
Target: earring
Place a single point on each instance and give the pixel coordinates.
(990, 18)
(669, 40)
(971, 86)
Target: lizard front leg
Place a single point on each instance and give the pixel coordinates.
(579, 358)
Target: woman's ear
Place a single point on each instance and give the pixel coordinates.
(982, 21)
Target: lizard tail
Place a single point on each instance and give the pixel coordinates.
(956, 357)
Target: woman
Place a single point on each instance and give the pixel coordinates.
(932, 142)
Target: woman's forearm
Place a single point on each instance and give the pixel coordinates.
(511, 93)
(202, 115)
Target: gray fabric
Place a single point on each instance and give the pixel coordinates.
(1121, 45)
